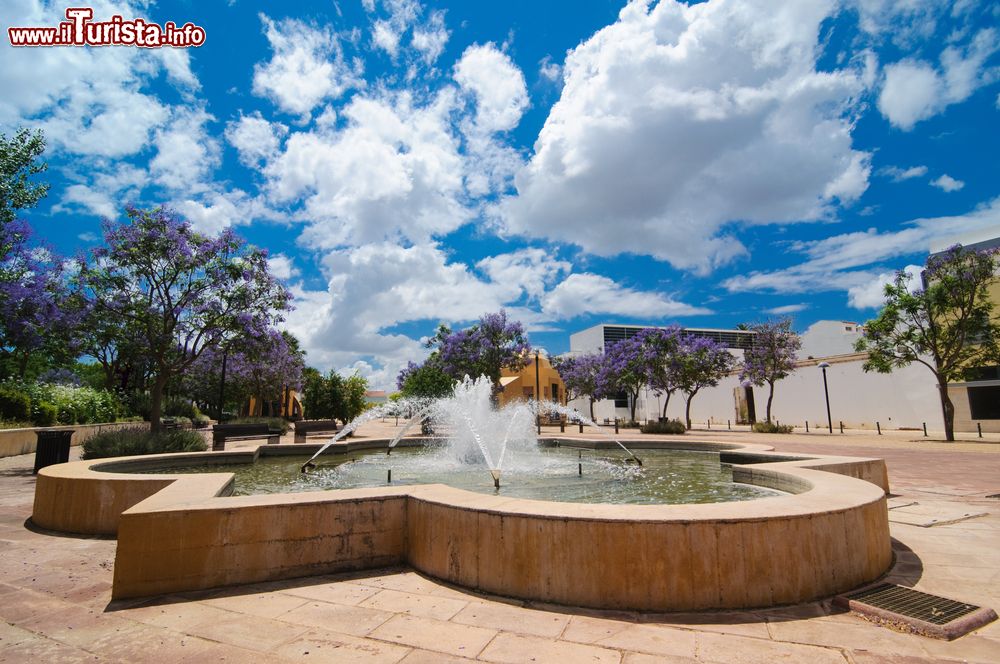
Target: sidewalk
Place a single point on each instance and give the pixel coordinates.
(55, 592)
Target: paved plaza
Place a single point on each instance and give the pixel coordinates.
(55, 591)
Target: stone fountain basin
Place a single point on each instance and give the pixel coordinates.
(183, 532)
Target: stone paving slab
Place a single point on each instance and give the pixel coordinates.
(55, 595)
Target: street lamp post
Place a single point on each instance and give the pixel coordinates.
(826, 393)
(538, 413)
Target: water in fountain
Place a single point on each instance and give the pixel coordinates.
(500, 440)
(573, 414)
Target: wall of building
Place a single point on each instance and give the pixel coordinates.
(521, 384)
(905, 398)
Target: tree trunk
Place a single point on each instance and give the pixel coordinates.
(22, 365)
(635, 401)
(156, 402)
(592, 410)
(948, 410)
(666, 402)
(770, 397)
(687, 409)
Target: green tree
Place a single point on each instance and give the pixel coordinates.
(353, 400)
(949, 325)
(427, 380)
(17, 165)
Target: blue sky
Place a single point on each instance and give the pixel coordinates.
(410, 163)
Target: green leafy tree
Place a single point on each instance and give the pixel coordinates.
(426, 380)
(353, 400)
(322, 396)
(18, 163)
(949, 325)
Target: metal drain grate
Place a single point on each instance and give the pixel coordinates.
(921, 612)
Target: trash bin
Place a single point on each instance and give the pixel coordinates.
(52, 447)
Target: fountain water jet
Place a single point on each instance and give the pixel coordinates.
(479, 430)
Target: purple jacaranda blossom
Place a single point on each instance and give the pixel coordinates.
(581, 375)
(37, 314)
(181, 292)
(771, 355)
(485, 349)
(702, 362)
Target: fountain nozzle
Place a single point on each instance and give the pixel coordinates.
(637, 460)
(496, 478)
(306, 466)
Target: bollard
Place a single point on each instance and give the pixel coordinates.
(807, 426)
(728, 425)
(388, 479)
(925, 429)
(979, 427)
(397, 420)
(581, 426)
(842, 426)
(710, 424)
(562, 425)
(616, 425)
(878, 427)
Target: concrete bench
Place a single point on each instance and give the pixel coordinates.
(305, 427)
(223, 432)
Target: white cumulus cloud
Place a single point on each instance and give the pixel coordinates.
(914, 90)
(677, 120)
(947, 183)
(306, 67)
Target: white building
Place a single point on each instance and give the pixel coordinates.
(905, 398)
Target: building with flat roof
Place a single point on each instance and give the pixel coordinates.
(977, 400)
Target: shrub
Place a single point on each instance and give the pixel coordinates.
(180, 407)
(664, 426)
(74, 405)
(201, 421)
(43, 414)
(132, 441)
(771, 427)
(274, 423)
(14, 405)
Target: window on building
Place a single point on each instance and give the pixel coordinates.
(621, 400)
(984, 402)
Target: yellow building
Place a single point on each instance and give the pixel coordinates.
(290, 407)
(516, 385)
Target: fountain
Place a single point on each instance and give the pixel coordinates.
(810, 526)
(479, 432)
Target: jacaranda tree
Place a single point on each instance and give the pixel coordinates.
(627, 367)
(38, 318)
(581, 374)
(485, 349)
(771, 356)
(702, 363)
(663, 347)
(949, 325)
(184, 291)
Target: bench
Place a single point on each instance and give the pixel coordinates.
(223, 432)
(305, 427)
